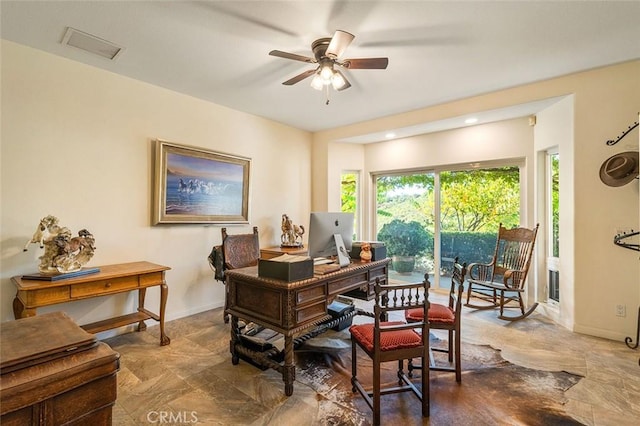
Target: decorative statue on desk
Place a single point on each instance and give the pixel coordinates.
(62, 252)
(365, 252)
(291, 234)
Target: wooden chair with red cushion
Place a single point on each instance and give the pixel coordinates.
(445, 317)
(385, 341)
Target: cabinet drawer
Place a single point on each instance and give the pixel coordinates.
(100, 287)
(83, 400)
(20, 417)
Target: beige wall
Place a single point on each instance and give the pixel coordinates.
(506, 142)
(605, 102)
(76, 143)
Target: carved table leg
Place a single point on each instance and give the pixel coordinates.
(289, 370)
(19, 310)
(141, 295)
(234, 340)
(164, 294)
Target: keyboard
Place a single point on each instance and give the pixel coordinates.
(321, 261)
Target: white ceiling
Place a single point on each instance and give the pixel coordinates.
(438, 51)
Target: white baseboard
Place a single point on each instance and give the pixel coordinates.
(598, 332)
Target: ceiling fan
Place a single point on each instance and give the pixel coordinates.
(327, 53)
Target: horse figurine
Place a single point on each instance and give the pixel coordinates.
(47, 230)
(291, 234)
(62, 253)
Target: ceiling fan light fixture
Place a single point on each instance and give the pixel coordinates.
(326, 54)
(326, 72)
(338, 81)
(317, 82)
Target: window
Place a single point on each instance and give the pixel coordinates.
(349, 197)
(552, 166)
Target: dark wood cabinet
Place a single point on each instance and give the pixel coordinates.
(52, 372)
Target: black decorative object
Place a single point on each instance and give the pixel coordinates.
(613, 142)
(617, 240)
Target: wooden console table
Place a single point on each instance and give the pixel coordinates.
(111, 279)
(292, 307)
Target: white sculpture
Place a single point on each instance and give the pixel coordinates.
(62, 252)
(291, 234)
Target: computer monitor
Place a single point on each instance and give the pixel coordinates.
(322, 228)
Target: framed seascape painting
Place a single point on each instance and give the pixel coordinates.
(194, 185)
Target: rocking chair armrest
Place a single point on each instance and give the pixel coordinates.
(513, 278)
(479, 271)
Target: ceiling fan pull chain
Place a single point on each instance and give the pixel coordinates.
(326, 88)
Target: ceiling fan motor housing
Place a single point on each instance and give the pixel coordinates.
(319, 48)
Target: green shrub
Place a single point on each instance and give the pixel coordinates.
(404, 238)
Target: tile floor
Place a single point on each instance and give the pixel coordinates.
(192, 381)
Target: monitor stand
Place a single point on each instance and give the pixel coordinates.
(343, 255)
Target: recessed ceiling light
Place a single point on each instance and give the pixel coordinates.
(390, 135)
(471, 120)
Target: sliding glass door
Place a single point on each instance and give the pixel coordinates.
(458, 210)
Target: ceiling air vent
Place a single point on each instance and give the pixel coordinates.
(91, 43)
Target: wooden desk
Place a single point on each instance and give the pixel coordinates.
(291, 307)
(111, 279)
(271, 252)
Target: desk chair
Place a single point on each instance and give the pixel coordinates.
(506, 274)
(239, 251)
(445, 317)
(385, 341)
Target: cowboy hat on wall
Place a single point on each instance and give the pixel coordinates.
(620, 169)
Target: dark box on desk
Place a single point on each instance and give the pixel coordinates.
(378, 250)
(286, 271)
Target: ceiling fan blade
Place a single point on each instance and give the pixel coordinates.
(366, 63)
(339, 43)
(299, 77)
(293, 56)
(346, 82)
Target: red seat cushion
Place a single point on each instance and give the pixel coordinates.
(437, 314)
(389, 340)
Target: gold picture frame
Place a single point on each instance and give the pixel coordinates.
(196, 185)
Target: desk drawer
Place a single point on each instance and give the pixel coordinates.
(310, 294)
(311, 312)
(45, 296)
(348, 283)
(101, 287)
(151, 279)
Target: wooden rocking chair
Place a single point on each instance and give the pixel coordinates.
(502, 281)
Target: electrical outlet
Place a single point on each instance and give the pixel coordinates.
(621, 311)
